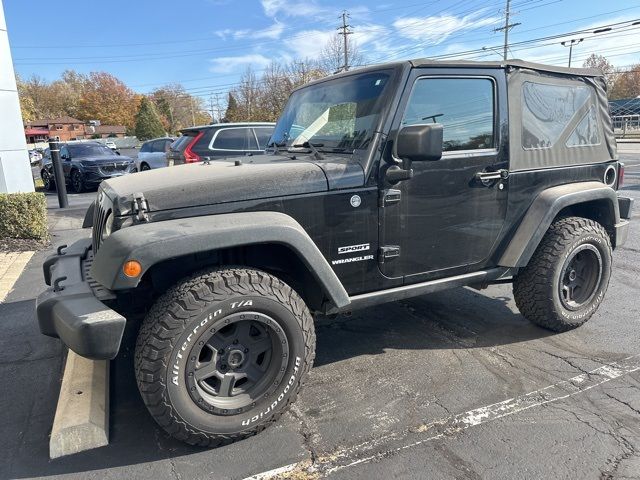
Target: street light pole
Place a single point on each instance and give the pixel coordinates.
(570, 44)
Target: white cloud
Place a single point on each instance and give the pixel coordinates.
(437, 29)
(290, 8)
(236, 64)
(308, 43)
(272, 32)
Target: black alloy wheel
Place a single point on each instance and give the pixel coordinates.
(230, 368)
(144, 167)
(581, 276)
(47, 180)
(77, 181)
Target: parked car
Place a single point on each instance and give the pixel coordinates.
(363, 198)
(111, 145)
(153, 154)
(85, 165)
(219, 141)
(34, 157)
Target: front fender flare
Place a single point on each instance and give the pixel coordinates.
(151, 243)
(544, 210)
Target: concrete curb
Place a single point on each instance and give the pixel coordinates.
(82, 416)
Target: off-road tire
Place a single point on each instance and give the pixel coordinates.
(180, 314)
(536, 288)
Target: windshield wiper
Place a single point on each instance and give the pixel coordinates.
(310, 146)
(276, 146)
(337, 150)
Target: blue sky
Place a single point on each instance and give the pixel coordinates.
(207, 44)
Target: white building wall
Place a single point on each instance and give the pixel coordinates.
(15, 170)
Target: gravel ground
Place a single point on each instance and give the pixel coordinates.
(406, 390)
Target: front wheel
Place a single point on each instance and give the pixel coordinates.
(222, 354)
(47, 180)
(77, 181)
(567, 277)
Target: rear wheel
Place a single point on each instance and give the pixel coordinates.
(222, 354)
(144, 167)
(567, 277)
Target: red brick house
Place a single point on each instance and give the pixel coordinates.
(69, 128)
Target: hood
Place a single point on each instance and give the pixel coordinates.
(219, 181)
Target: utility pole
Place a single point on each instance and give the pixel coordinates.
(218, 107)
(507, 26)
(213, 116)
(344, 34)
(570, 44)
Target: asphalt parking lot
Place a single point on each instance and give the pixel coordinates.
(450, 385)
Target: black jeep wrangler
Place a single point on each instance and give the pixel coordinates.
(380, 184)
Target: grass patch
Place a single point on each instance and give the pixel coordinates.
(23, 215)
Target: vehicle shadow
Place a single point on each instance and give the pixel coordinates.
(458, 319)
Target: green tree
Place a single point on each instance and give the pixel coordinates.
(148, 124)
(232, 114)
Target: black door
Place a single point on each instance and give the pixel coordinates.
(446, 221)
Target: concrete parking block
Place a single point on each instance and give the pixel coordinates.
(82, 417)
(11, 266)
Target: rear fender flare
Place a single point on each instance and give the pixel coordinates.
(545, 209)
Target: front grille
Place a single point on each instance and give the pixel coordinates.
(109, 168)
(99, 216)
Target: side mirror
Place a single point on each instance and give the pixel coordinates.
(419, 143)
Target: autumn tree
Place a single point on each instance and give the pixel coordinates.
(601, 63)
(177, 108)
(627, 83)
(109, 100)
(148, 124)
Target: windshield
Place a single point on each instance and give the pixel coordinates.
(89, 150)
(339, 114)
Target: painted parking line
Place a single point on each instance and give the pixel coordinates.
(375, 449)
(11, 266)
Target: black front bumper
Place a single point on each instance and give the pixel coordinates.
(72, 309)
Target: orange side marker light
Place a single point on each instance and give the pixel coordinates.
(132, 268)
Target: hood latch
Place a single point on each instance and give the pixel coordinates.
(140, 208)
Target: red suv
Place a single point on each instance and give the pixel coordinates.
(219, 141)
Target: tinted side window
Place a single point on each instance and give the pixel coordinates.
(464, 106)
(263, 134)
(235, 139)
(158, 146)
(146, 147)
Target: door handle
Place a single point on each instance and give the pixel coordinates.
(488, 178)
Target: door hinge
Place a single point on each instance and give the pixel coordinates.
(140, 207)
(390, 196)
(388, 252)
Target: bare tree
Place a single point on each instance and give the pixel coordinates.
(601, 63)
(332, 55)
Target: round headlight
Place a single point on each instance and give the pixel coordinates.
(108, 226)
